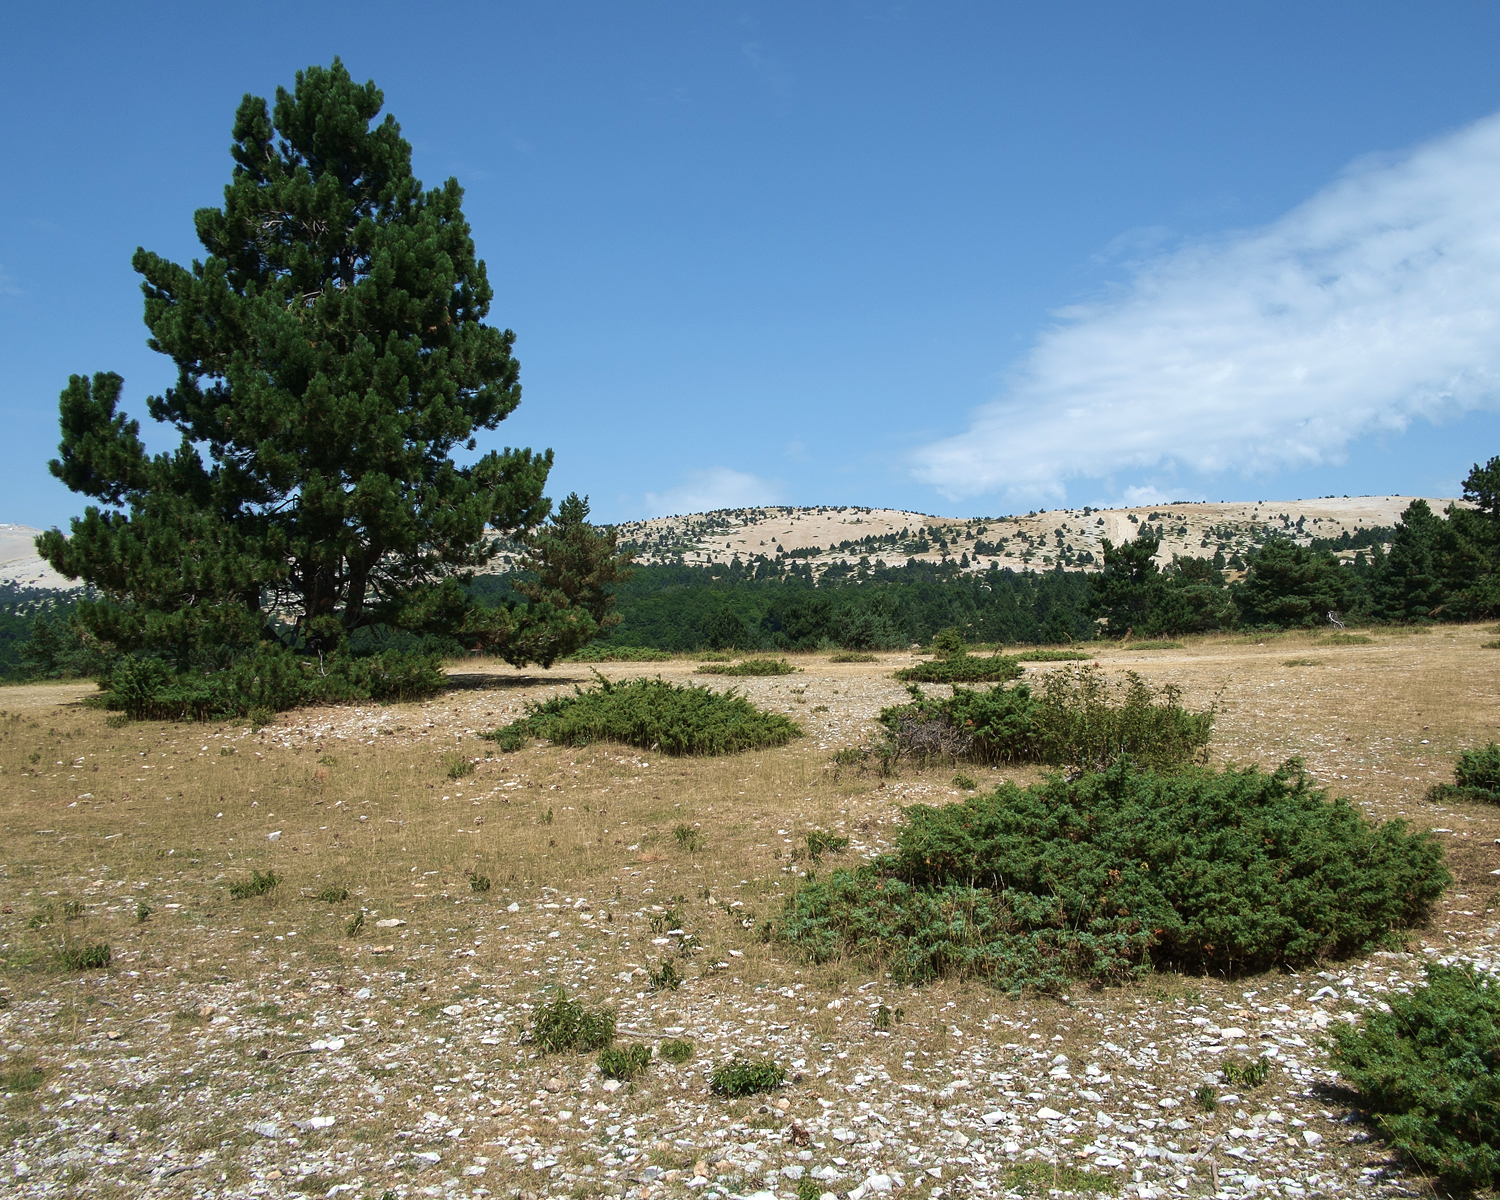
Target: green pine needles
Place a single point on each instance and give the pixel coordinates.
(654, 715)
(332, 354)
(1428, 1072)
(1476, 777)
(1115, 873)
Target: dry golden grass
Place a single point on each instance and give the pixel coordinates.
(166, 817)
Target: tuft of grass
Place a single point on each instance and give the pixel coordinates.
(886, 1016)
(821, 842)
(142, 912)
(457, 766)
(1345, 639)
(256, 885)
(84, 956)
(808, 1189)
(1153, 646)
(569, 1025)
(676, 1051)
(1050, 655)
(21, 1077)
(1427, 1072)
(1067, 879)
(624, 1062)
(851, 656)
(1304, 662)
(1207, 1098)
(333, 895)
(656, 715)
(963, 668)
(687, 837)
(740, 1077)
(965, 782)
(751, 666)
(354, 924)
(479, 884)
(1247, 1074)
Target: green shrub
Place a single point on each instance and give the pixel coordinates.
(1206, 1098)
(1153, 646)
(509, 738)
(1247, 1074)
(1078, 717)
(1489, 645)
(457, 766)
(966, 782)
(654, 714)
(354, 924)
(808, 1188)
(852, 656)
(886, 1016)
(1428, 1072)
(1050, 656)
(676, 1051)
(687, 837)
(751, 666)
(611, 654)
(84, 956)
(479, 884)
(256, 885)
(740, 1077)
(1477, 777)
(1345, 639)
(663, 977)
(963, 668)
(333, 895)
(624, 1062)
(1115, 873)
(22, 1077)
(568, 1025)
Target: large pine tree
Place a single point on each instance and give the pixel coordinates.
(332, 354)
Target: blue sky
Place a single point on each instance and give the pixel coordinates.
(960, 258)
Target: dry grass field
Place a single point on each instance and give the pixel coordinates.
(357, 1029)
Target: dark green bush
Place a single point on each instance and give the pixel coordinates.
(852, 656)
(509, 738)
(610, 654)
(740, 1077)
(654, 714)
(1113, 873)
(1077, 717)
(963, 668)
(751, 666)
(624, 1062)
(821, 842)
(1153, 646)
(269, 680)
(568, 1025)
(1428, 1072)
(675, 1050)
(1050, 656)
(1477, 777)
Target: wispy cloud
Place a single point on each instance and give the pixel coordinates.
(1374, 303)
(716, 487)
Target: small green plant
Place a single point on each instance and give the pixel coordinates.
(569, 1025)
(808, 1189)
(965, 783)
(663, 977)
(256, 885)
(687, 838)
(84, 956)
(1428, 1073)
(624, 1062)
(850, 756)
(457, 766)
(354, 924)
(1050, 655)
(1345, 639)
(675, 1051)
(751, 666)
(509, 738)
(851, 656)
(72, 910)
(1153, 646)
(741, 1077)
(142, 912)
(259, 717)
(1247, 1074)
(821, 842)
(886, 1017)
(656, 715)
(1304, 662)
(609, 654)
(479, 884)
(328, 760)
(668, 919)
(1207, 1098)
(1476, 777)
(333, 894)
(1495, 645)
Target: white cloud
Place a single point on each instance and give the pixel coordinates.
(1372, 304)
(717, 487)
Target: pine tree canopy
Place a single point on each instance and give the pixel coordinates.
(332, 354)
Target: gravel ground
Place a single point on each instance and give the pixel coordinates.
(401, 1068)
